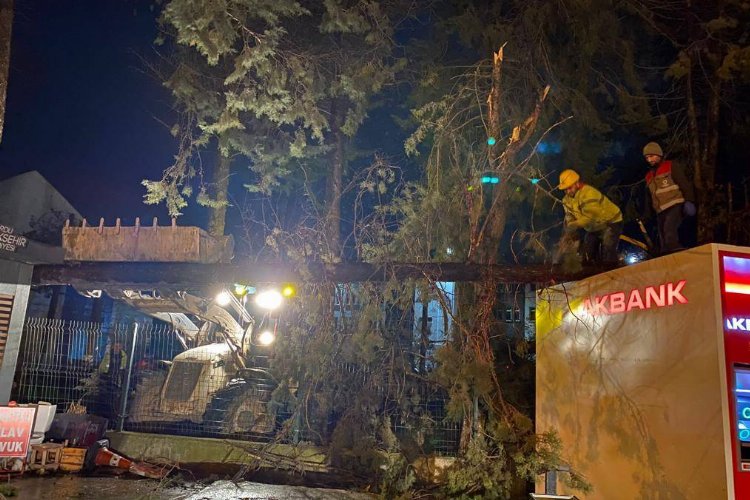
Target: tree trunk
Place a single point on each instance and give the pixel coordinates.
(693, 131)
(489, 236)
(333, 188)
(6, 28)
(694, 154)
(706, 224)
(491, 230)
(218, 213)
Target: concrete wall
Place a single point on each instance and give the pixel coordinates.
(191, 450)
(15, 280)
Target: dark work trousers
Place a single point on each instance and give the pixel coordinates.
(668, 223)
(602, 245)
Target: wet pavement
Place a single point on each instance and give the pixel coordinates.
(61, 487)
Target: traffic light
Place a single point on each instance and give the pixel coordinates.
(490, 179)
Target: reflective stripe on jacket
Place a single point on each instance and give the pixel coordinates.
(665, 192)
(590, 209)
(104, 364)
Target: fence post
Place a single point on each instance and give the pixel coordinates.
(550, 482)
(126, 386)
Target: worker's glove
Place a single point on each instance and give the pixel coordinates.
(688, 208)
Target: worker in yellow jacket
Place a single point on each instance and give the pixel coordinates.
(114, 363)
(588, 210)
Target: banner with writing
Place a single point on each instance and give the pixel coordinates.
(16, 426)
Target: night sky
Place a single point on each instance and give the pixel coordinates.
(83, 111)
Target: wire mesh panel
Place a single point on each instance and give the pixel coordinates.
(172, 387)
(55, 357)
(80, 363)
(425, 422)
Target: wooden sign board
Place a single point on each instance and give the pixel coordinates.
(16, 426)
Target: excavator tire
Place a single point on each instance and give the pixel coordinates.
(241, 410)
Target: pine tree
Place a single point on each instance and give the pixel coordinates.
(285, 84)
(708, 59)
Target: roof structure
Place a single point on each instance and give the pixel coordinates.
(29, 196)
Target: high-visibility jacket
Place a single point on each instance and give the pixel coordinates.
(589, 209)
(667, 187)
(105, 362)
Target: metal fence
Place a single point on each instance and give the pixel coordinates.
(141, 377)
(85, 363)
(146, 377)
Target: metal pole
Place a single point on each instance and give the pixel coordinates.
(126, 386)
(424, 338)
(475, 417)
(550, 482)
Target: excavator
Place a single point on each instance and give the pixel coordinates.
(220, 383)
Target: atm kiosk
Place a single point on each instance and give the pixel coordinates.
(734, 272)
(644, 374)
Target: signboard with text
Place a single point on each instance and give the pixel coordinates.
(16, 426)
(9, 240)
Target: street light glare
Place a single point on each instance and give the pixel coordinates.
(223, 298)
(266, 338)
(270, 299)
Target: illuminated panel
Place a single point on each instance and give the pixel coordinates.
(737, 275)
(742, 397)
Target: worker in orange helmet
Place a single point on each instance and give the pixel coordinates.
(588, 211)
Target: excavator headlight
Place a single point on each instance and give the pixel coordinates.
(223, 298)
(269, 299)
(266, 337)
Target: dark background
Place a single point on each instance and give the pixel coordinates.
(83, 110)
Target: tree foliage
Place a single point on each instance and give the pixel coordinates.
(709, 66)
(285, 89)
(284, 84)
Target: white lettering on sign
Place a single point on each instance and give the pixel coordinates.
(12, 447)
(11, 432)
(738, 324)
(650, 297)
(9, 241)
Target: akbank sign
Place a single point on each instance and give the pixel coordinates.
(738, 324)
(650, 297)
